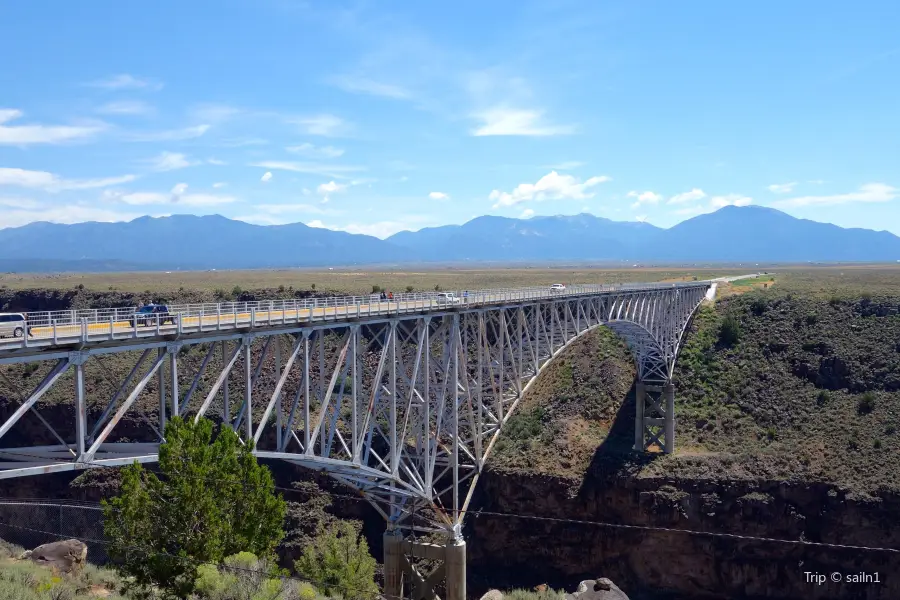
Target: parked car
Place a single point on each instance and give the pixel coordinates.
(557, 287)
(13, 324)
(448, 298)
(151, 314)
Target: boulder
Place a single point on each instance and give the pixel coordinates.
(493, 595)
(64, 555)
(597, 589)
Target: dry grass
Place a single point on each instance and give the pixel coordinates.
(350, 281)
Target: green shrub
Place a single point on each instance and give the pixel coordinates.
(215, 500)
(771, 434)
(409, 289)
(376, 289)
(866, 403)
(730, 330)
(236, 292)
(877, 444)
(823, 397)
(339, 561)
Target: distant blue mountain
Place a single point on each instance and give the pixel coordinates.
(731, 234)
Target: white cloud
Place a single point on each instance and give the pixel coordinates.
(870, 192)
(216, 161)
(219, 184)
(644, 198)
(307, 191)
(438, 196)
(20, 135)
(729, 200)
(334, 171)
(21, 203)
(782, 188)
(308, 149)
(691, 196)
(362, 85)
(267, 176)
(169, 161)
(552, 186)
(527, 214)
(640, 218)
(127, 82)
(171, 135)
(331, 187)
(510, 121)
(50, 182)
(126, 107)
(324, 125)
(178, 196)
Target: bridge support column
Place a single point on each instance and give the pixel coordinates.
(654, 422)
(399, 568)
(669, 395)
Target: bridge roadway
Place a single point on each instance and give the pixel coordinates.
(65, 328)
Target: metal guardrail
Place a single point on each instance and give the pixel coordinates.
(70, 326)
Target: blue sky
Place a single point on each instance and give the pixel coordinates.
(374, 117)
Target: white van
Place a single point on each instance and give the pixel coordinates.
(13, 324)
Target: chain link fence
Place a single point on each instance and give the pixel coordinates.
(32, 523)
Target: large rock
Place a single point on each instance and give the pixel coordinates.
(597, 589)
(64, 556)
(493, 595)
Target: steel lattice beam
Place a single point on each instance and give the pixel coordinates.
(405, 408)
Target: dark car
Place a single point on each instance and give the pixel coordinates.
(151, 314)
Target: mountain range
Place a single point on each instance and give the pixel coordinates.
(731, 234)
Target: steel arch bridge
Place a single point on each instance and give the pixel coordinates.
(401, 399)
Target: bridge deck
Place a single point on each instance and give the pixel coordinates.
(68, 328)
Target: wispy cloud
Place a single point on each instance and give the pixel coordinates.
(307, 149)
(691, 196)
(782, 188)
(333, 171)
(126, 107)
(177, 196)
(170, 135)
(510, 121)
(565, 166)
(868, 193)
(169, 161)
(552, 186)
(220, 184)
(127, 82)
(21, 135)
(641, 198)
(50, 182)
(325, 125)
(364, 85)
(214, 113)
(438, 196)
(527, 214)
(241, 142)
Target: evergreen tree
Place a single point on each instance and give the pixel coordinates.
(213, 500)
(339, 563)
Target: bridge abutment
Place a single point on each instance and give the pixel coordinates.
(399, 568)
(654, 420)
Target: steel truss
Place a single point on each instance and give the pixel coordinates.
(404, 409)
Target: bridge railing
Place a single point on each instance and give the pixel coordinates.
(106, 323)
